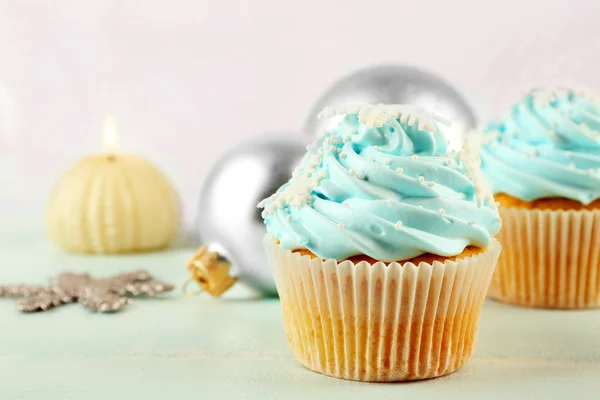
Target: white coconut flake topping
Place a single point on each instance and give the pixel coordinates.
(487, 137)
(377, 115)
(469, 157)
(543, 97)
(297, 192)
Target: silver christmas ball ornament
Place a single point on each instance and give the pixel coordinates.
(396, 84)
(229, 223)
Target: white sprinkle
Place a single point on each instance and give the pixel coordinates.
(472, 222)
(327, 140)
(340, 226)
(572, 165)
(386, 161)
(336, 140)
(390, 201)
(568, 153)
(448, 162)
(346, 139)
(414, 157)
(421, 207)
(339, 150)
(399, 170)
(442, 211)
(342, 155)
(398, 225)
(421, 179)
(332, 149)
(289, 217)
(345, 202)
(351, 171)
(591, 171)
(432, 184)
(352, 131)
(376, 148)
(361, 176)
(370, 158)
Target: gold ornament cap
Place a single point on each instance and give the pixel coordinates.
(210, 271)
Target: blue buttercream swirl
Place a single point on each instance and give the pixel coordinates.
(547, 146)
(388, 190)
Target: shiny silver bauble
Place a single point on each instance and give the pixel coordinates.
(228, 221)
(397, 84)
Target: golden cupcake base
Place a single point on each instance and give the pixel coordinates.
(381, 322)
(550, 259)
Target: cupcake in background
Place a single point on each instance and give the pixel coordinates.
(382, 246)
(543, 163)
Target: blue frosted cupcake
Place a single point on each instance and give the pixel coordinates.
(382, 246)
(543, 163)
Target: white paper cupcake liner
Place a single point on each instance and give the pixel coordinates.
(550, 259)
(378, 322)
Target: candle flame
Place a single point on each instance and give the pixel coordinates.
(110, 138)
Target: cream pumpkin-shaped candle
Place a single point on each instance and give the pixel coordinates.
(112, 203)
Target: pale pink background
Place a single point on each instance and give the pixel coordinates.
(187, 79)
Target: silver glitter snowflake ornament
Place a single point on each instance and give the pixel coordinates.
(104, 295)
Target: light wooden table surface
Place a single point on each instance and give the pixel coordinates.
(234, 348)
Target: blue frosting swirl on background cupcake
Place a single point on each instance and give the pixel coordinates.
(382, 184)
(548, 146)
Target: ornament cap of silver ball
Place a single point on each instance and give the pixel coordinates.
(210, 271)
